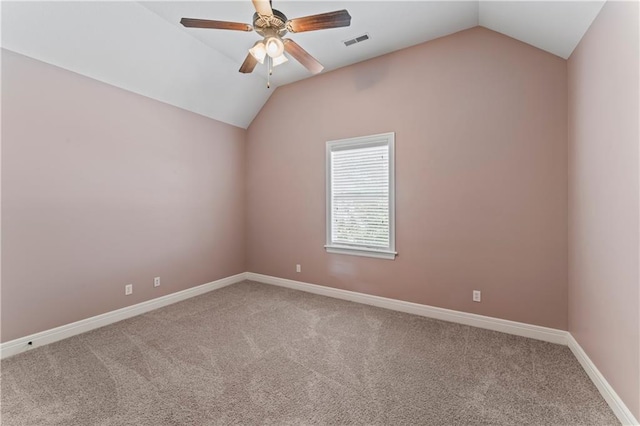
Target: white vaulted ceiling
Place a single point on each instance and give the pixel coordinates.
(141, 47)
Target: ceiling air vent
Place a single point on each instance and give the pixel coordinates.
(358, 39)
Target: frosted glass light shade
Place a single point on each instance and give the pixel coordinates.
(258, 51)
(274, 46)
(279, 60)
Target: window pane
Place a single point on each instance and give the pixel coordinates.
(360, 196)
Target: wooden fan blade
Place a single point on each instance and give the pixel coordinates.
(263, 7)
(323, 21)
(219, 25)
(302, 56)
(249, 64)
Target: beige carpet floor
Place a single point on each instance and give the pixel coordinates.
(257, 354)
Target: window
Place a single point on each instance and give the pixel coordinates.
(360, 196)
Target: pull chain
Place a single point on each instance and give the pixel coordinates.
(270, 69)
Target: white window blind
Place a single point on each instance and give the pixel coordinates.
(360, 196)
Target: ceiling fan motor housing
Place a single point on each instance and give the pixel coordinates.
(271, 25)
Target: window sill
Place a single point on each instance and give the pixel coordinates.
(380, 254)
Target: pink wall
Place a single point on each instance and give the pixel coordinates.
(604, 289)
(481, 176)
(102, 187)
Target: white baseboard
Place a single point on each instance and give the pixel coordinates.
(511, 327)
(617, 405)
(17, 346)
(551, 335)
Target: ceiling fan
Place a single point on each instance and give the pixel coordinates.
(272, 25)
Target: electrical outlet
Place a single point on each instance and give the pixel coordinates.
(298, 268)
(477, 296)
(156, 282)
(128, 289)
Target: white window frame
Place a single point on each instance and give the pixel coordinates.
(359, 250)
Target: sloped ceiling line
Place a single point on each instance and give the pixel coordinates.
(141, 47)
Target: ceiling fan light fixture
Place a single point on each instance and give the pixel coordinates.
(279, 60)
(274, 46)
(258, 51)
(271, 25)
